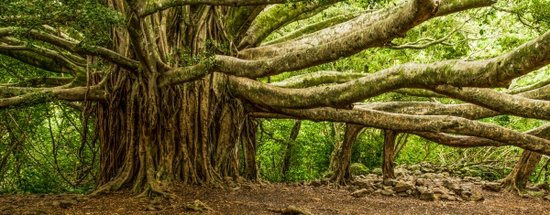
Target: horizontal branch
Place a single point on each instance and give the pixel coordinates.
(275, 17)
(185, 74)
(408, 123)
(501, 102)
(495, 72)
(343, 43)
(47, 95)
(156, 6)
(468, 111)
(73, 46)
(316, 79)
(468, 141)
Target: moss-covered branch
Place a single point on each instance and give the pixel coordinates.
(47, 95)
(275, 17)
(408, 123)
(156, 6)
(495, 72)
(501, 102)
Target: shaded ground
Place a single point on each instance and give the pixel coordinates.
(264, 199)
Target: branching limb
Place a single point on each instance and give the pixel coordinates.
(46, 95)
(156, 6)
(408, 123)
(73, 46)
(501, 102)
(495, 72)
(275, 17)
(466, 141)
(427, 42)
(374, 35)
(313, 28)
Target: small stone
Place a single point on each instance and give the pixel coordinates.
(420, 182)
(389, 182)
(448, 197)
(403, 194)
(427, 196)
(417, 172)
(360, 193)
(492, 186)
(547, 198)
(402, 186)
(440, 190)
(387, 192)
(363, 183)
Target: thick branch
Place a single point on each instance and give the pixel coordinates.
(70, 94)
(185, 74)
(316, 79)
(495, 72)
(466, 141)
(313, 28)
(501, 102)
(275, 17)
(156, 6)
(341, 44)
(407, 123)
(74, 46)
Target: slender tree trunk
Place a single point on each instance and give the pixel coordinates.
(341, 158)
(389, 152)
(518, 178)
(288, 147)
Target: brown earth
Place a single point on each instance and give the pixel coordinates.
(266, 199)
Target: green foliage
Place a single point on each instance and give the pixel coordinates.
(358, 169)
(40, 151)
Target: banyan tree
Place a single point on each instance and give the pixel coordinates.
(175, 87)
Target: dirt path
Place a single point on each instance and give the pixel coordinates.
(264, 199)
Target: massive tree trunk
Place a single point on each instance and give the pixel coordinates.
(153, 135)
(341, 157)
(518, 178)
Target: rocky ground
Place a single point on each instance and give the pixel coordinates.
(419, 189)
(427, 182)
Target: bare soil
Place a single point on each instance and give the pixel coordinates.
(266, 199)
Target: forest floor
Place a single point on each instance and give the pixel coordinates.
(268, 199)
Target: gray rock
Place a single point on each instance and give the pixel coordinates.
(363, 183)
(420, 182)
(402, 186)
(427, 196)
(389, 182)
(492, 186)
(360, 193)
(448, 197)
(441, 190)
(387, 192)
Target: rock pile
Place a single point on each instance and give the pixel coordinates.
(425, 182)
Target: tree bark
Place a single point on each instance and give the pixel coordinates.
(518, 178)
(289, 147)
(389, 152)
(341, 157)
